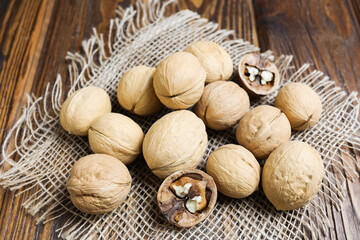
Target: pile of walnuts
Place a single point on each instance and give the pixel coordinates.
(175, 144)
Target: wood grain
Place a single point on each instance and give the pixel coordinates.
(327, 34)
(324, 33)
(36, 35)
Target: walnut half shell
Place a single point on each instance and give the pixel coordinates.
(187, 197)
(259, 75)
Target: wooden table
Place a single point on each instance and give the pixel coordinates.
(36, 35)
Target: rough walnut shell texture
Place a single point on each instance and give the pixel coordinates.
(175, 142)
(172, 206)
(235, 170)
(222, 105)
(263, 129)
(136, 92)
(179, 80)
(254, 88)
(98, 183)
(82, 108)
(116, 135)
(213, 58)
(301, 105)
(292, 175)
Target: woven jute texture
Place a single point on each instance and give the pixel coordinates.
(44, 152)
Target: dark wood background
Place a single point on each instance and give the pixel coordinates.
(35, 36)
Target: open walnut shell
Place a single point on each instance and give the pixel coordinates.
(177, 193)
(259, 75)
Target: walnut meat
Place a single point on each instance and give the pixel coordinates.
(116, 135)
(213, 58)
(301, 105)
(187, 197)
(259, 75)
(176, 141)
(82, 108)
(136, 93)
(222, 105)
(98, 183)
(292, 175)
(179, 80)
(263, 129)
(235, 170)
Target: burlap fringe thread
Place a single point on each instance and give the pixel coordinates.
(45, 152)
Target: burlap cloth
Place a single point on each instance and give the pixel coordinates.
(145, 36)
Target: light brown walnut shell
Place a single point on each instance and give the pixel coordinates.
(235, 170)
(222, 105)
(116, 135)
(82, 108)
(179, 80)
(301, 105)
(136, 92)
(213, 58)
(292, 175)
(176, 141)
(263, 129)
(98, 183)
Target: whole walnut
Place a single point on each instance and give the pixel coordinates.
(235, 170)
(213, 58)
(116, 135)
(175, 142)
(98, 183)
(222, 105)
(263, 129)
(292, 175)
(136, 92)
(301, 105)
(179, 80)
(82, 108)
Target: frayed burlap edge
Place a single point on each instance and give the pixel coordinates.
(336, 137)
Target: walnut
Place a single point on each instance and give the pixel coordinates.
(176, 141)
(116, 135)
(213, 58)
(187, 197)
(222, 105)
(82, 108)
(235, 170)
(259, 76)
(136, 93)
(263, 129)
(301, 105)
(98, 183)
(179, 80)
(292, 175)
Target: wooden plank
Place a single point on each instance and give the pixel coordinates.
(237, 15)
(327, 35)
(34, 39)
(324, 33)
